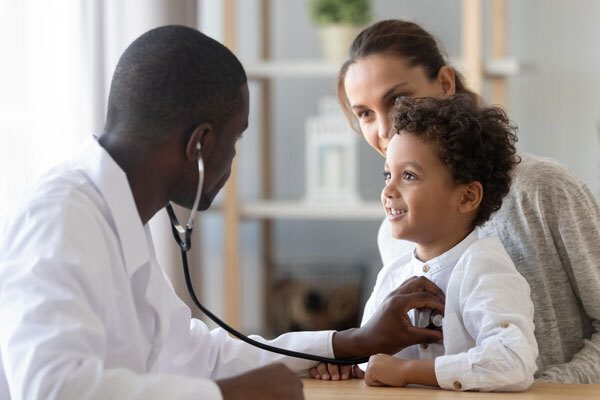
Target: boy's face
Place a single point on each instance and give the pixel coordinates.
(420, 198)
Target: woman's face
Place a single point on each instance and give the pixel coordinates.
(373, 83)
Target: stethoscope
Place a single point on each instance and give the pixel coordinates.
(183, 236)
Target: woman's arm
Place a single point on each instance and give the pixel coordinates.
(575, 226)
(550, 225)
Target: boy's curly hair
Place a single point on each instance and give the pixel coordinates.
(475, 143)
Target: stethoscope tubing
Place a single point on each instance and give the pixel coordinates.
(185, 245)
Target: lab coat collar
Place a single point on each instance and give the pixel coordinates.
(447, 259)
(112, 183)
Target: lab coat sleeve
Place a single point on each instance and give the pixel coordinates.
(228, 356)
(497, 311)
(215, 354)
(52, 338)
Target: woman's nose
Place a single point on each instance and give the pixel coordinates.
(383, 132)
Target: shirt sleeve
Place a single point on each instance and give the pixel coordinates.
(52, 339)
(575, 225)
(497, 312)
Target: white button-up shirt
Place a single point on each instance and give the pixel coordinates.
(87, 313)
(488, 323)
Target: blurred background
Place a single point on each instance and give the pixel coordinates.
(266, 258)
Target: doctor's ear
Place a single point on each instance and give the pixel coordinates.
(197, 140)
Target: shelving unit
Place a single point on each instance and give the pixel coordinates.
(291, 69)
(305, 211)
(476, 70)
(496, 68)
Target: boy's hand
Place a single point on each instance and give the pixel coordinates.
(384, 370)
(336, 372)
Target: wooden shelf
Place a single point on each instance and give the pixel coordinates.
(504, 67)
(322, 69)
(292, 69)
(371, 211)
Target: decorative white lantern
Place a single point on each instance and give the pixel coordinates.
(330, 156)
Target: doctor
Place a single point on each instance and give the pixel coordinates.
(85, 310)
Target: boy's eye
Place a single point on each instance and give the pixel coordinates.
(407, 176)
(386, 176)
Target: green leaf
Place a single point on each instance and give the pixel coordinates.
(349, 12)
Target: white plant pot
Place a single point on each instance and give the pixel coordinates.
(336, 41)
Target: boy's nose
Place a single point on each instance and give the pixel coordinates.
(389, 192)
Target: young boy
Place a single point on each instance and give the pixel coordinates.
(447, 169)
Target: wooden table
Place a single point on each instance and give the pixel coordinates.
(357, 390)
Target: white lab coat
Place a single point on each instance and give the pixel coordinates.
(488, 323)
(85, 310)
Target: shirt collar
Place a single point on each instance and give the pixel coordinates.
(449, 258)
(111, 181)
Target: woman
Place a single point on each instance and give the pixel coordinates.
(549, 222)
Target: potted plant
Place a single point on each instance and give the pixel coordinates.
(339, 21)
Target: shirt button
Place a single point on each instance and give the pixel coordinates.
(424, 346)
(425, 268)
(504, 324)
(457, 385)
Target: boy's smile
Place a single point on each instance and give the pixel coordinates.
(393, 212)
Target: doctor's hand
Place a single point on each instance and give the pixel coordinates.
(390, 330)
(275, 381)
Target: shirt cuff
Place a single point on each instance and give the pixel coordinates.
(451, 370)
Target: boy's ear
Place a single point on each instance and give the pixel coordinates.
(472, 194)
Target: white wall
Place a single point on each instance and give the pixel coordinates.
(557, 103)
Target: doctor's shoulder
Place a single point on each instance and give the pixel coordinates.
(53, 216)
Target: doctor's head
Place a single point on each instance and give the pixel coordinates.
(172, 88)
(387, 60)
